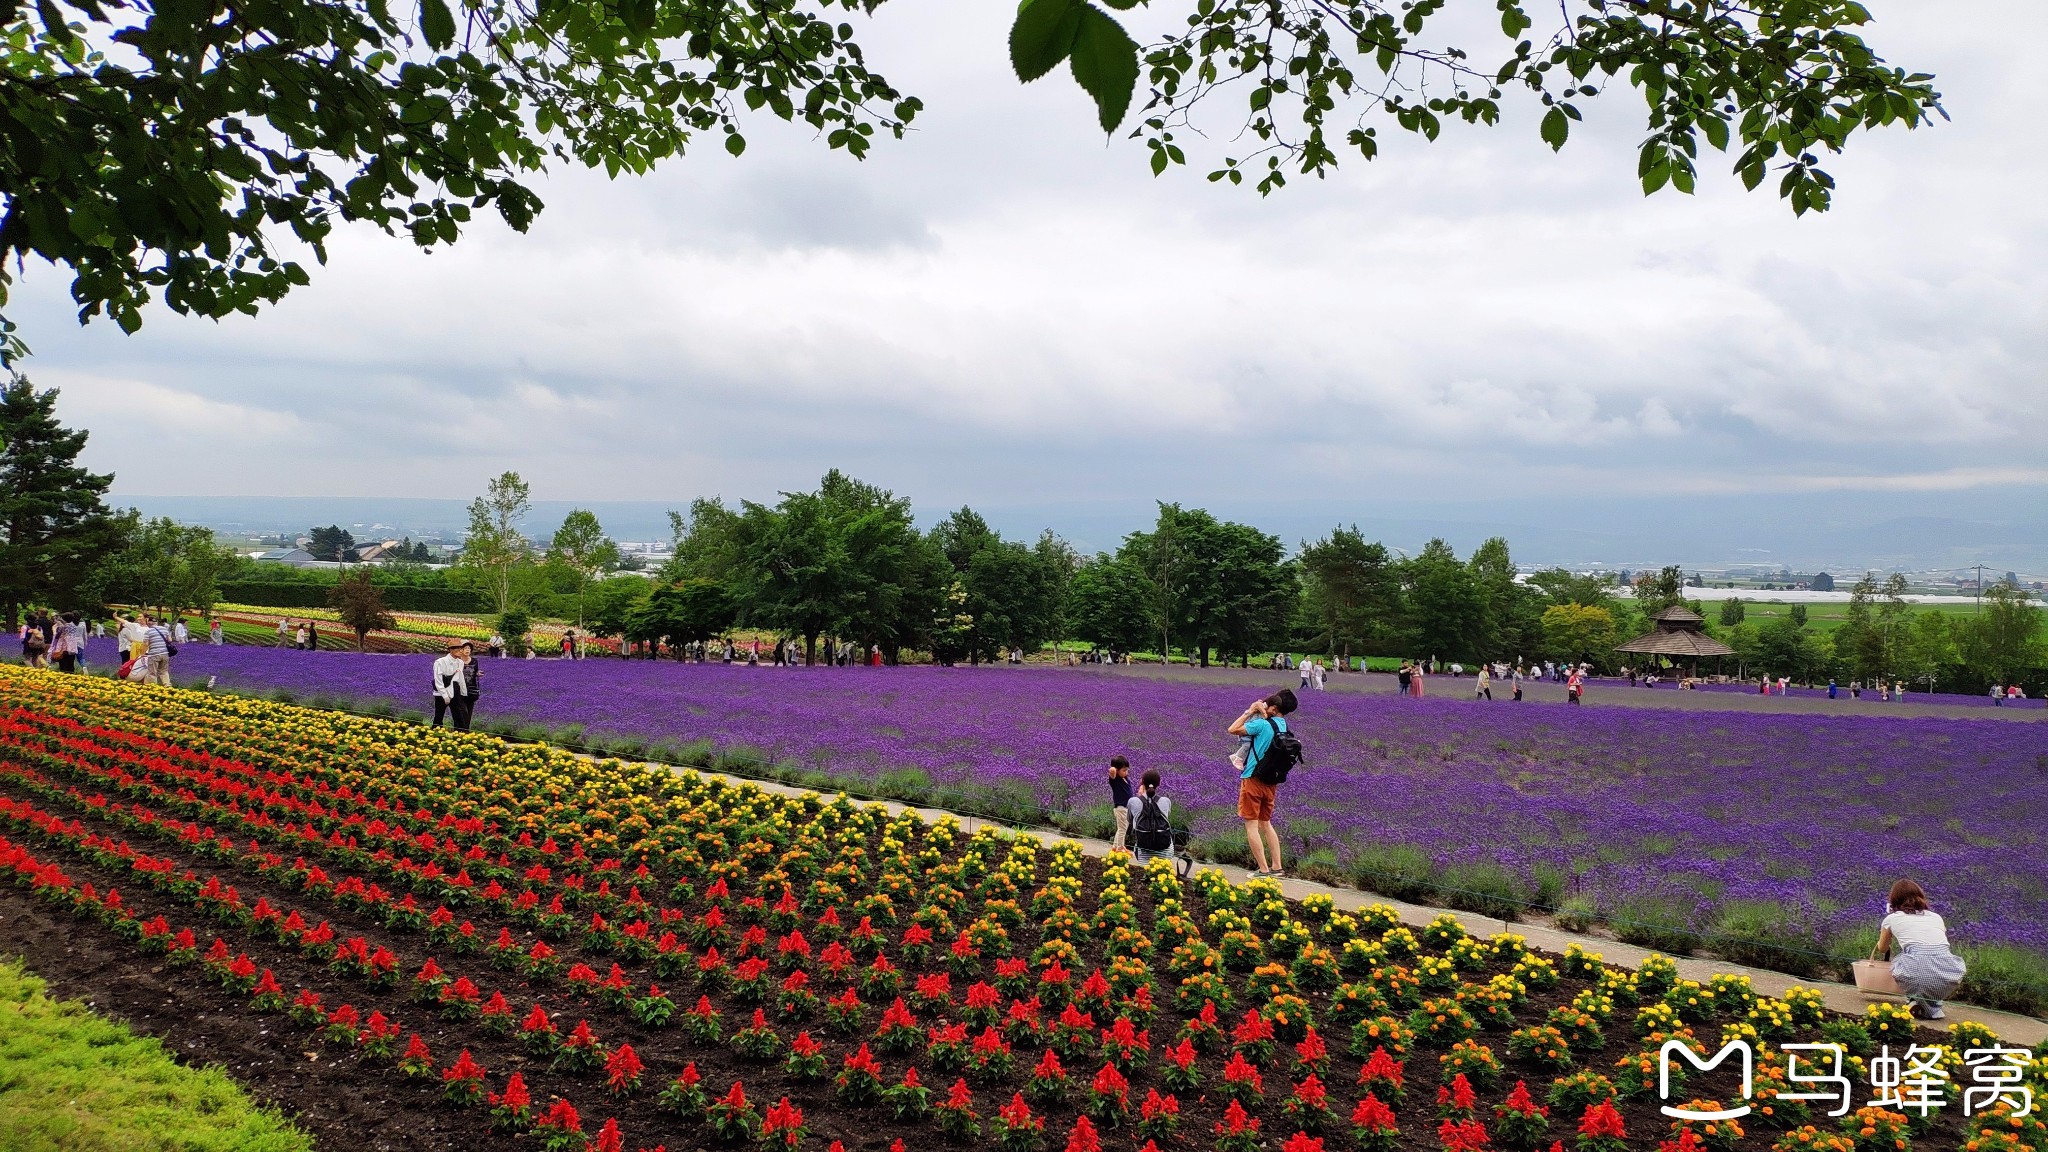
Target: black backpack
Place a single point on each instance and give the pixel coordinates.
(1153, 833)
(1282, 754)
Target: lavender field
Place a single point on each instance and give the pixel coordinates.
(1683, 812)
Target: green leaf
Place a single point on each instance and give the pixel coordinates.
(637, 16)
(1043, 36)
(1105, 63)
(437, 23)
(1556, 127)
(735, 143)
(1717, 132)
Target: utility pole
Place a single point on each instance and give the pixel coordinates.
(1980, 588)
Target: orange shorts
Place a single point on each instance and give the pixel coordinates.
(1254, 799)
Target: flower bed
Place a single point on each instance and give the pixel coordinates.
(606, 956)
(1681, 819)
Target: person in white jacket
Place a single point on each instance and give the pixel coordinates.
(451, 697)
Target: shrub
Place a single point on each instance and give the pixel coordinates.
(1485, 888)
(1402, 871)
(1654, 922)
(1762, 934)
(2002, 976)
(1577, 913)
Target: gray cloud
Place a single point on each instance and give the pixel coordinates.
(1006, 308)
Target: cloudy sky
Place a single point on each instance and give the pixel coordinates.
(1007, 310)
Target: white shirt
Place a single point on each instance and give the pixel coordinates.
(448, 683)
(181, 632)
(1136, 805)
(1916, 928)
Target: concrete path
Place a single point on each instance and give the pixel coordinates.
(2010, 1027)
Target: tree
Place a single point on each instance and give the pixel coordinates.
(581, 545)
(678, 614)
(360, 605)
(1859, 641)
(1579, 632)
(1107, 604)
(494, 548)
(1445, 608)
(1594, 589)
(2003, 640)
(53, 524)
(1732, 612)
(1353, 591)
(1254, 593)
(171, 165)
(1783, 80)
(1929, 649)
(1664, 589)
(707, 543)
(332, 543)
(845, 557)
(1011, 593)
(613, 601)
(161, 564)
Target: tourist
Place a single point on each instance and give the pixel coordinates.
(35, 648)
(1575, 686)
(128, 639)
(1831, 687)
(449, 686)
(215, 635)
(1997, 694)
(1403, 674)
(1482, 688)
(284, 631)
(472, 686)
(158, 649)
(1415, 681)
(1148, 812)
(1119, 800)
(496, 644)
(69, 644)
(1257, 788)
(569, 644)
(299, 638)
(1518, 682)
(1308, 672)
(1898, 691)
(180, 633)
(1916, 940)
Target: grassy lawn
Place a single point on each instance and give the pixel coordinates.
(70, 1080)
(1823, 617)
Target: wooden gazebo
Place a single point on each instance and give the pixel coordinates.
(1677, 636)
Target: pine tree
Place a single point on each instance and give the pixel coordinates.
(53, 523)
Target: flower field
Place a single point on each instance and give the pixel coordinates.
(1678, 819)
(504, 940)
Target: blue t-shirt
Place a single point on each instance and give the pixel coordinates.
(1260, 730)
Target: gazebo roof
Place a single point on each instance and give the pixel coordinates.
(1691, 645)
(1678, 614)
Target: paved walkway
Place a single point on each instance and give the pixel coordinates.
(1841, 997)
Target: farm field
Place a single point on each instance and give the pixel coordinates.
(1790, 827)
(453, 942)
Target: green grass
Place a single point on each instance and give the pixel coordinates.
(1820, 617)
(72, 1081)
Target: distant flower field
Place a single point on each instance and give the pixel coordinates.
(1674, 818)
